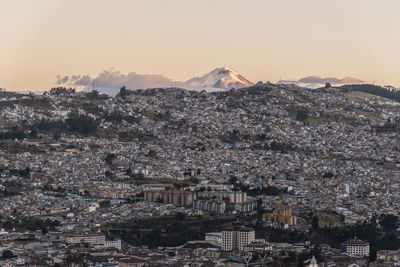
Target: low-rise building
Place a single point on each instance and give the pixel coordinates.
(214, 238)
(77, 239)
(282, 215)
(356, 247)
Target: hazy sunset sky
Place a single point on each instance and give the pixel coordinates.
(261, 39)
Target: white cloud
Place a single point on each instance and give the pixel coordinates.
(111, 81)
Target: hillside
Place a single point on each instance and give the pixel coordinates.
(327, 148)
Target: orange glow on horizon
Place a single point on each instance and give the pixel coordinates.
(180, 39)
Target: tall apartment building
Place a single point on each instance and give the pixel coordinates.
(247, 206)
(176, 197)
(236, 238)
(356, 248)
(228, 196)
(211, 205)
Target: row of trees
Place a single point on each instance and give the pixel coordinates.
(30, 223)
(62, 91)
(383, 237)
(75, 123)
(15, 133)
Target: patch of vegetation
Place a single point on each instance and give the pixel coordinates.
(62, 91)
(268, 191)
(31, 224)
(368, 231)
(75, 123)
(119, 117)
(158, 116)
(373, 90)
(15, 148)
(15, 133)
(167, 231)
(133, 135)
(302, 115)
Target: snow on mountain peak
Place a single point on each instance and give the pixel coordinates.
(224, 78)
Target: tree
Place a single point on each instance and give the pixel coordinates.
(62, 91)
(372, 255)
(233, 180)
(302, 115)
(94, 94)
(25, 173)
(260, 209)
(80, 123)
(33, 133)
(57, 135)
(109, 158)
(180, 216)
(152, 153)
(314, 223)
(105, 204)
(389, 222)
(280, 146)
(328, 85)
(7, 254)
(235, 133)
(194, 180)
(122, 91)
(108, 174)
(44, 231)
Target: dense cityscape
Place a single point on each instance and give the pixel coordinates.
(269, 175)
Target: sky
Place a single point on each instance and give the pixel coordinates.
(263, 40)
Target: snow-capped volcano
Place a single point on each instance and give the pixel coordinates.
(224, 78)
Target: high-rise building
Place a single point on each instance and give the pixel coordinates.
(235, 238)
(227, 196)
(247, 206)
(211, 205)
(176, 197)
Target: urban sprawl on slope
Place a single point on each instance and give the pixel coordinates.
(79, 172)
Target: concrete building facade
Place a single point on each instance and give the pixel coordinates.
(236, 238)
(282, 215)
(246, 206)
(356, 248)
(176, 197)
(212, 205)
(228, 196)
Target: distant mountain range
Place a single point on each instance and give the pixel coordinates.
(317, 82)
(219, 79)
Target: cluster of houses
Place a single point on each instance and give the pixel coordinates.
(340, 158)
